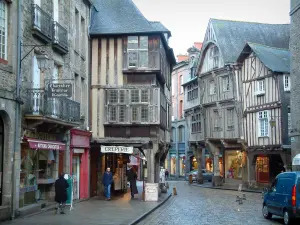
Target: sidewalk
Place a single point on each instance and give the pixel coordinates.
(118, 211)
(228, 186)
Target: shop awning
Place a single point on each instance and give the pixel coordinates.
(45, 145)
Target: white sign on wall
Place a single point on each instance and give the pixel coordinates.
(116, 149)
(296, 160)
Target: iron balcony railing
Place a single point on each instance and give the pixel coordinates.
(42, 21)
(59, 108)
(60, 35)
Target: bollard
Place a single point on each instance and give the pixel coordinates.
(237, 198)
(174, 191)
(241, 201)
(167, 185)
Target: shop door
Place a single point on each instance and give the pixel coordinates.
(76, 176)
(1, 156)
(262, 169)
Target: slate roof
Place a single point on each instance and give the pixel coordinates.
(120, 17)
(233, 35)
(160, 27)
(276, 59)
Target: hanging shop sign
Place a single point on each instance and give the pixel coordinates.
(116, 149)
(60, 90)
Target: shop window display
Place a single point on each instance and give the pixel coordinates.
(235, 165)
(36, 167)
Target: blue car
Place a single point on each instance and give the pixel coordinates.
(283, 198)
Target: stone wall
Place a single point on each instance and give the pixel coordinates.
(295, 81)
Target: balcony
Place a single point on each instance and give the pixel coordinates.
(61, 110)
(41, 24)
(60, 38)
(132, 106)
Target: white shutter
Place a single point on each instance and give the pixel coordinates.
(55, 10)
(36, 79)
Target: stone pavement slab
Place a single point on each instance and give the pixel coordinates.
(122, 211)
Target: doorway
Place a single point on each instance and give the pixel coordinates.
(76, 175)
(1, 156)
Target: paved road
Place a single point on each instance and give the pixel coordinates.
(196, 205)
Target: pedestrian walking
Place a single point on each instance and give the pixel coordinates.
(61, 186)
(166, 174)
(131, 177)
(107, 181)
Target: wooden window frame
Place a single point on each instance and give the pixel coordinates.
(263, 120)
(4, 60)
(260, 90)
(137, 50)
(286, 79)
(212, 86)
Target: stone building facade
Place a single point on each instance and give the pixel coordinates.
(8, 71)
(295, 81)
(55, 78)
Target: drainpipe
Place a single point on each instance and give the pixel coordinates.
(17, 113)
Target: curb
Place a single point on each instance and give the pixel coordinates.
(228, 189)
(150, 211)
(49, 208)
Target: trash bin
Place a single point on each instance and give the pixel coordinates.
(190, 178)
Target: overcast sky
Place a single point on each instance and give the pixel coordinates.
(188, 19)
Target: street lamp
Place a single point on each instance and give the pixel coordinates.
(42, 61)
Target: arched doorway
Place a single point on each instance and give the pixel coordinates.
(1, 156)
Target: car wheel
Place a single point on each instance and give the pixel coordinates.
(286, 218)
(265, 212)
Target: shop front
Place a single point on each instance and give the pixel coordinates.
(233, 164)
(39, 168)
(79, 166)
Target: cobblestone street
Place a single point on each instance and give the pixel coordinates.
(192, 206)
(195, 206)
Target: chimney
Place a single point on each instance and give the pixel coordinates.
(198, 45)
(181, 58)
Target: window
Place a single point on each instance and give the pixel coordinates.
(135, 96)
(196, 123)
(214, 55)
(289, 123)
(144, 114)
(226, 84)
(83, 45)
(181, 134)
(55, 10)
(287, 83)
(3, 30)
(216, 119)
(76, 27)
(192, 91)
(260, 87)
(230, 121)
(180, 109)
(180, 83)
(212, 88)
(77, 88)
(112, 113)
(137, 51)
(263, 122)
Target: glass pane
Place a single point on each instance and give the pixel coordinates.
(113, 96)
(132, 58)
(144, 42)
(122, 113)
(133, 42)
(134, 113)
(145, 96)
(143, 58)
(144, 114)
(135, 96)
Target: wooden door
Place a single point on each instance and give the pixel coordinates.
(262, 169)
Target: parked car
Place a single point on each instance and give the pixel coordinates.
(283, 197)
(207, 175)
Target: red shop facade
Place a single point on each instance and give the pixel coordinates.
(79, 162)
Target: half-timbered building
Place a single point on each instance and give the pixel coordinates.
(221, 92)
(266, 109)
(130, 87)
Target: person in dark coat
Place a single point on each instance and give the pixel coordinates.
(131, 177)
(107, 180)
(61, 186)
(166, 174)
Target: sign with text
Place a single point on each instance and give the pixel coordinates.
(60, 90)
(45, 145)
(116, 149)
(151, 192)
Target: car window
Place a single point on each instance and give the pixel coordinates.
(203, 171)
(273, 186)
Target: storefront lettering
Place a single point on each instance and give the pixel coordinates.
(116, 149)
(48, 146)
